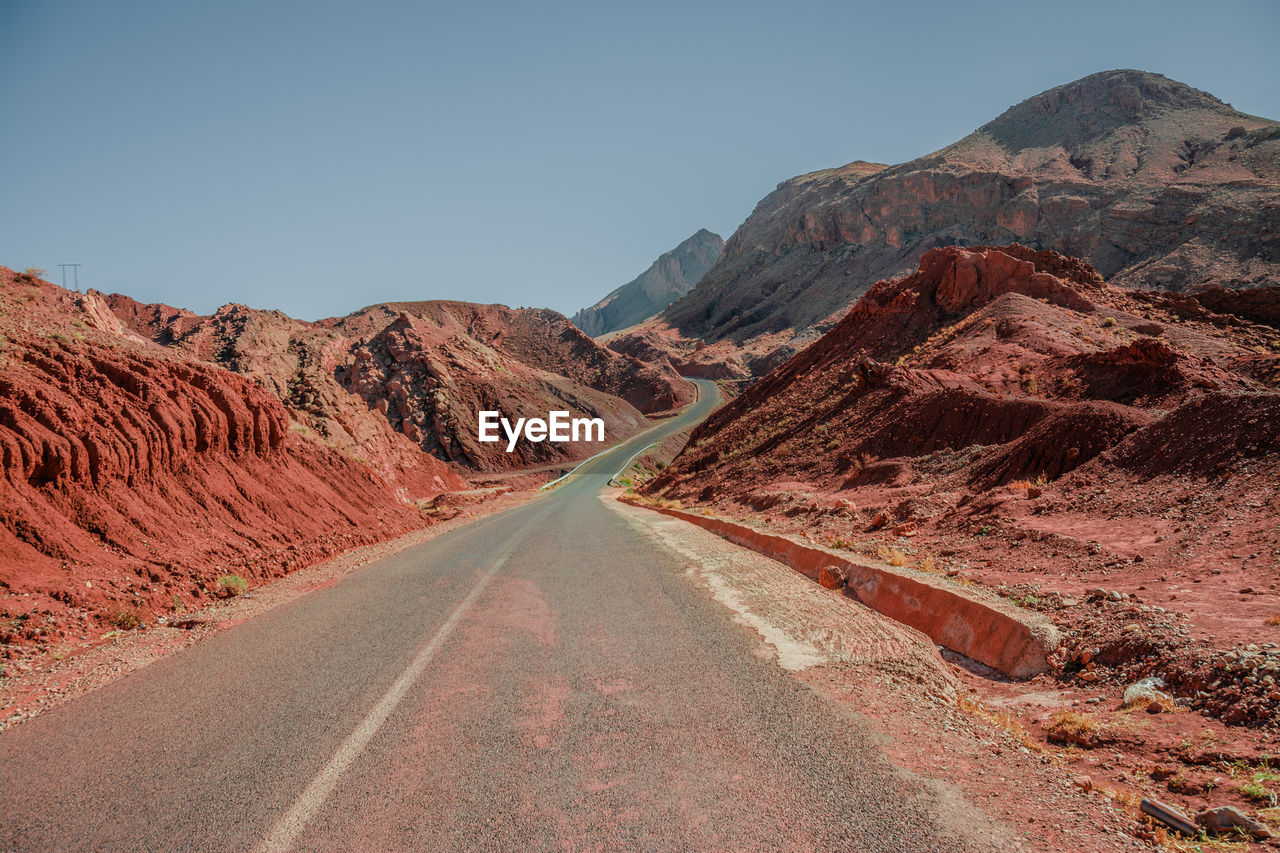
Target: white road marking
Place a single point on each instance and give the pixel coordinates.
(286, 830)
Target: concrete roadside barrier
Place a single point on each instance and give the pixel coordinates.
(1007, 638)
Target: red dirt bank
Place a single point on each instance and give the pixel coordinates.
(1009, 417)
(135, 476)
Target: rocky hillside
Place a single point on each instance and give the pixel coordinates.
(1155, 184)
(672, 275)
(393, 380)
(1008, 415)
(136, 476)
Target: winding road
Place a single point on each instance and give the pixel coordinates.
(542, 679)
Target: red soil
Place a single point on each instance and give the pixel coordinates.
(136, 476)
(1005, 417)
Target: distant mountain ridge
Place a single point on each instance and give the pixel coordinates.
(1156, 184)
(671, 276)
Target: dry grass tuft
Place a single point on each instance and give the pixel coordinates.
(1003, 720)
(1072, 727)
(892, 556)
(1273, 619)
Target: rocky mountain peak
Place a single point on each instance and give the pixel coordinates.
(1075, 112)
(671, 276)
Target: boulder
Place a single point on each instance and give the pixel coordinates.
(1225, 820)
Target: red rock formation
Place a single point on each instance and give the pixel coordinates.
(430, 383)
(1004, 416)
(393, 380)
(1025, 354)
(134, 475)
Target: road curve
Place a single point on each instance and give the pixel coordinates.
(544, 678)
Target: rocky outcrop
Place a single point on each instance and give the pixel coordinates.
(671, 276)
(430, 385)
(1155, 184)
(1013, 364)
(393, 380)
(135, 475)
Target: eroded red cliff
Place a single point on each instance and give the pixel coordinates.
(136, 476)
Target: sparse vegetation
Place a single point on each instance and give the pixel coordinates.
(1258, 792)
(892, 556)
(1066, 726)
(1274, 618)
(126, 620)
(1003, 719)
(229, 586)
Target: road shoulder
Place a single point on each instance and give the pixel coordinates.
(62, 674)
(985, 780)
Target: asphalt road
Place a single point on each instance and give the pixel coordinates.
(544, 678)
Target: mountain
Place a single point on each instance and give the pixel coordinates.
(1155, 184)
(136, 475)
(671, 276)
(394, 380)
(1005, 416)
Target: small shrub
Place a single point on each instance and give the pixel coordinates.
(126, 620)
(229, 586)
(929, 564)
(1274, 618)
(33, 273)
(1109, 322)
(1257, 791)
(1072, 727)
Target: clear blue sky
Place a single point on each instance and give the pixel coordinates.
(319, 156)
